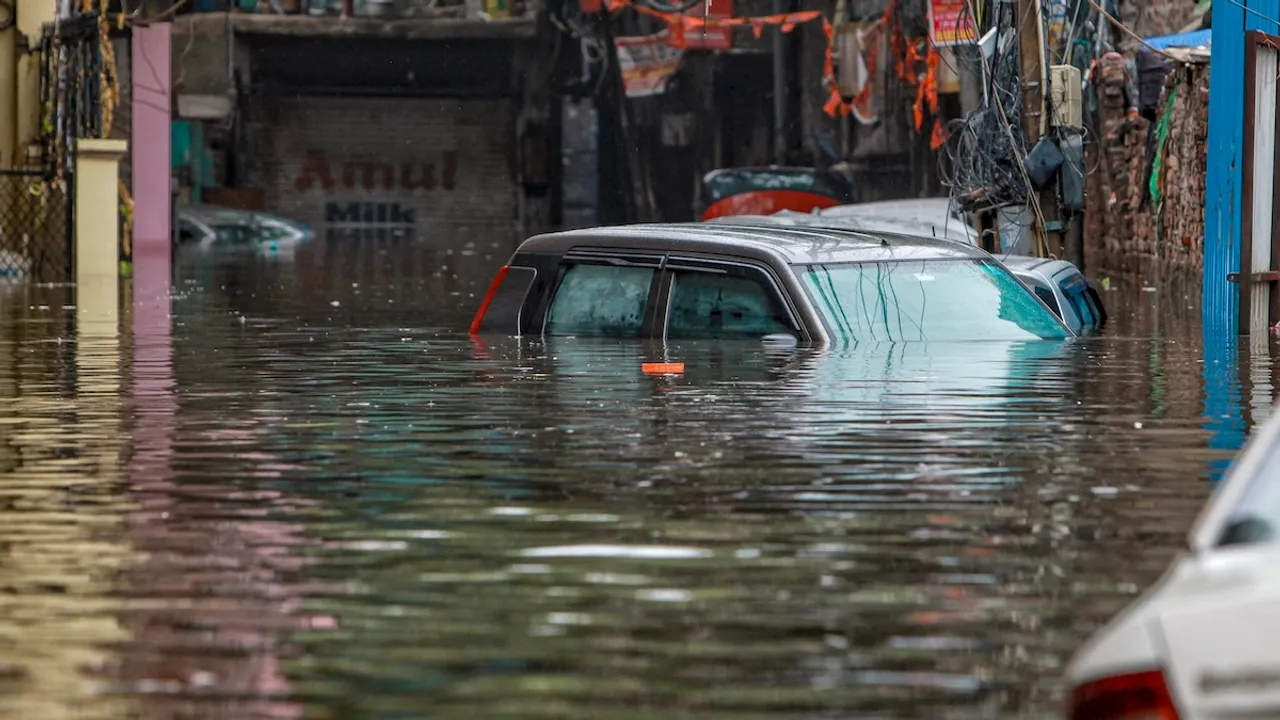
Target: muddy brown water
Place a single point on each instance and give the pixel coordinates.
(310, 495)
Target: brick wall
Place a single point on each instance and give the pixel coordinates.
(1126, 234)
(1152, 18)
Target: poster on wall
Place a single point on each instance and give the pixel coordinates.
(647, 63)
(951, 23)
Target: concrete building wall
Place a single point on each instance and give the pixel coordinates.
(202, 55)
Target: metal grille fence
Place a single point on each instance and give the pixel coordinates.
(36, 218)
(35, 242)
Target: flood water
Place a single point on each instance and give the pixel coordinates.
(313, 496)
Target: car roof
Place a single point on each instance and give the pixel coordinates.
(222, 214)
(765, 242)
(862, 222)
(1021, 265)
(212, 212)
(1046, 266)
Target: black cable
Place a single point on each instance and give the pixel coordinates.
(983, 157)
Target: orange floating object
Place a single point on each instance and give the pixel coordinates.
(662, 368)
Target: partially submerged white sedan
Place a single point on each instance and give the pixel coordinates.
(1202, 641)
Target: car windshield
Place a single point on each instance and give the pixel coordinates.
(926, 300)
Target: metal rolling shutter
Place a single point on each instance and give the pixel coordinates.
(436, 171)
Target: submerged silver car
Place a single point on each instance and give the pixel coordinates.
(1058, 283)
(706, 281)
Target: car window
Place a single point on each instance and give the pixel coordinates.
(1256, 517)
(233, 234)
(1049, 299)
(269, 230)
(926, 300)
(1076, 297)
(721, 305)
(506, 302)
(600, 301)
(1095, 305)
(1086, 300)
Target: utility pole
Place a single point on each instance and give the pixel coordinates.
(1029, 22)
(779, 89)
(635, 200)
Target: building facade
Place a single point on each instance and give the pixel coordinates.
(367, 128)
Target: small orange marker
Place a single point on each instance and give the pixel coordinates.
(662, 368)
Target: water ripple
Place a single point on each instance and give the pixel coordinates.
(287, 507)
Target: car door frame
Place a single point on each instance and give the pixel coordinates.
(759, 271)
(604, 256)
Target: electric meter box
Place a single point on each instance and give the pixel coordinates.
(1065, 96)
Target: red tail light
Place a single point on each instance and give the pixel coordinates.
(488, 298)
(1136, 696)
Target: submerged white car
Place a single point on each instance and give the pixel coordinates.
(1201, 642)
(209, 227)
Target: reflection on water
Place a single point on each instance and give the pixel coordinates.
(313, 497)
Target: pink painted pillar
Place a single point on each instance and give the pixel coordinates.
(153, 377)
(151, 146)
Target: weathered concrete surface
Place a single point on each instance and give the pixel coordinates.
(202, 56)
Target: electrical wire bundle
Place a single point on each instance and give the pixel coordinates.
(982, 161)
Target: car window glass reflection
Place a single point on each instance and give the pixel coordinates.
(1076, 297)
(711, 305)
(600, 301)
(1049, 300)
(928, 300)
